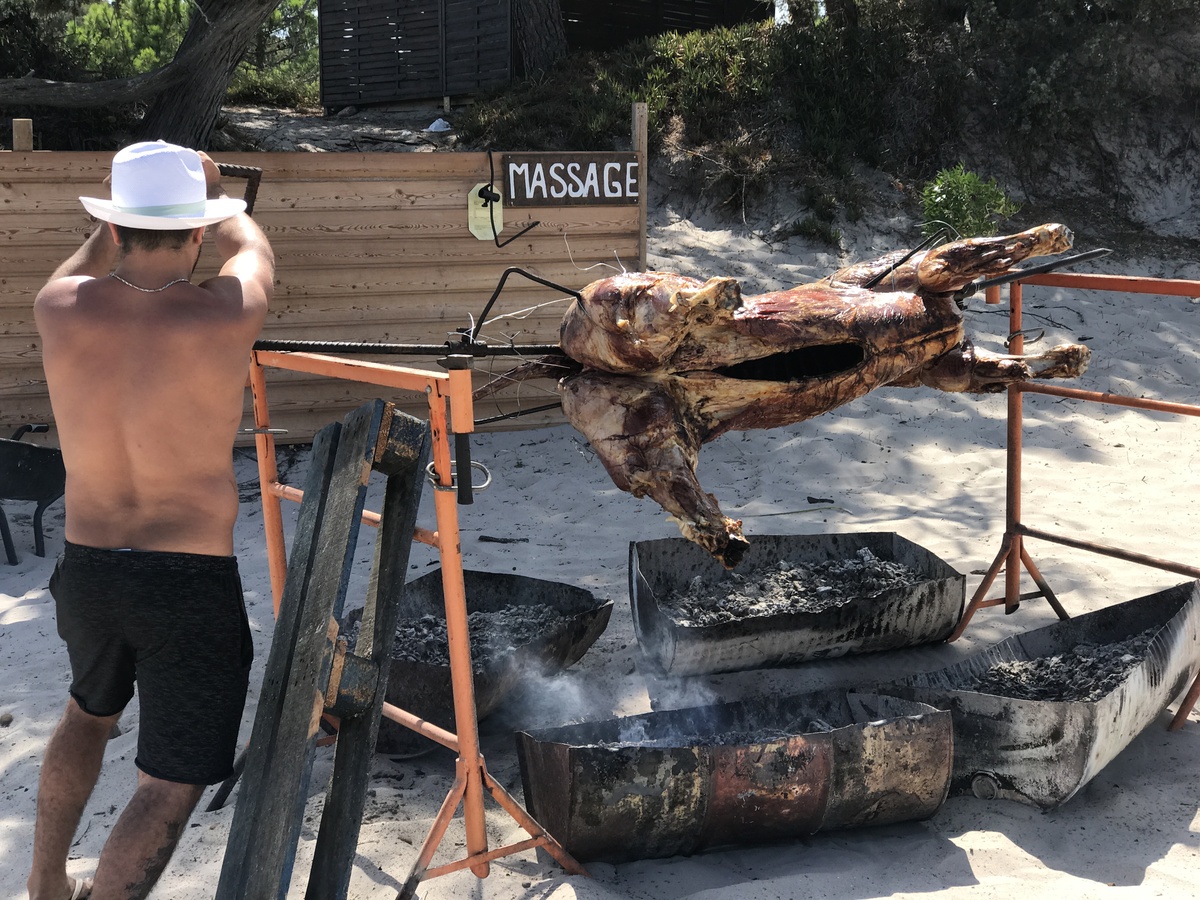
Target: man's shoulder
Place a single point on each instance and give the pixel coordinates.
(60, 293)
(248, 296)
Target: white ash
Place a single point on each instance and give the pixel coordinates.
(788, 587)
(1084, 674)
(494, 634)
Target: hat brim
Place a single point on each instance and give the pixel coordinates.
(214, 211)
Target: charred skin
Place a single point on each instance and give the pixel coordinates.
(670, 363)
(633, 322)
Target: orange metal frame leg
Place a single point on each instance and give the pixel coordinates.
(472, 778)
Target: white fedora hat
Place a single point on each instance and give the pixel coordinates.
(161, 187)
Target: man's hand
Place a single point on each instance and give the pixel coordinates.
(212, 176)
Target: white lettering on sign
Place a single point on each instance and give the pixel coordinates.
(572, 179)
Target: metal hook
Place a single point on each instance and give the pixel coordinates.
(1037, 335)
(431, 474)
(489, 196)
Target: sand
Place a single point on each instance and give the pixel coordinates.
(926, 465)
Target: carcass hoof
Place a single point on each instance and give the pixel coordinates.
(1063, 361)
(724, 541)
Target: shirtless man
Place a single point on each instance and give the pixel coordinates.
(146, 374)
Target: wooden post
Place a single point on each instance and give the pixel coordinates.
(641, 145)
(22, 134)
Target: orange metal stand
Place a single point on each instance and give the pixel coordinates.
(452, 390)
(1013, 555)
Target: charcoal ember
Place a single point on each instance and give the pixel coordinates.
(493, 634)
(788, 587)
(1084, 674)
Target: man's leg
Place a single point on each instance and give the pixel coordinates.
(141, 843)
(69, 772)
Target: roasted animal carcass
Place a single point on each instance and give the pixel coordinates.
(671, 362)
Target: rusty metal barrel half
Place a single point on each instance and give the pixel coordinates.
(676, 782)
(924, 612)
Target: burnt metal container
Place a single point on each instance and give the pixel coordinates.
(899, 617)
(1043, 752)
(676, 782)
(425, 689)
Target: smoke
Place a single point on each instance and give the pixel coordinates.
(559, 699)
(680, 693)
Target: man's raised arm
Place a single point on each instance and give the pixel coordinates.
(246, 252)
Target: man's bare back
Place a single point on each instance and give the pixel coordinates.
(147, 390)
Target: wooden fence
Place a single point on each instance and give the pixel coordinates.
(370, 247)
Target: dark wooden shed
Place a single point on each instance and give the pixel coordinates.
(387, 51)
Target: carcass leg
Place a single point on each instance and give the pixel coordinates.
(953, 266)
(649, 449)
(966, 369)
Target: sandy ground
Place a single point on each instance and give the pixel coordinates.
(926, 465)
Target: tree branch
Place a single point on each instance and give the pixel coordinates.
(30, 91)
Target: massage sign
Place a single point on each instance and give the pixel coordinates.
(571, 179)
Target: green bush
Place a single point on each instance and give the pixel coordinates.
(282, 67)
(965, 202)
(283, 87)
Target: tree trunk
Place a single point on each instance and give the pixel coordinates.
(186, 114)
(185, 94)
(541, 38)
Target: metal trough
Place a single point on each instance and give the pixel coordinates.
(1042, 752)
(900, 617)
(425, 689)
(676, 782)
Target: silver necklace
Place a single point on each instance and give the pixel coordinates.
(146, 290)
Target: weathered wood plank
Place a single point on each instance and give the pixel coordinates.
(341, 819)
(297, 254)
(90, 169)
(244, 852)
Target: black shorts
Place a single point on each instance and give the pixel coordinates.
(176, 624)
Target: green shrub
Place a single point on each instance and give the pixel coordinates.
(965, 202)
(286, 86)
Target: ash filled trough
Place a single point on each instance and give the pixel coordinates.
(1038, 715)
(676, 782)
(793, 598)
(518, 626)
